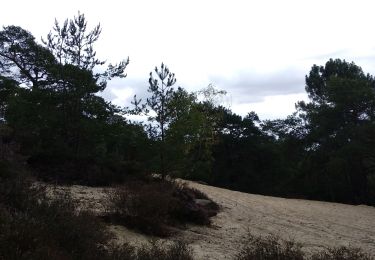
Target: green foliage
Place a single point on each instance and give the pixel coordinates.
(8, 88)
(161, 89)
(71, 44)
(244, 157)
(324, 151)
(192, 134)
(61, 124)
(49, 103)
(161, 93)
(183, 128)
(25, 60)
(339, 142)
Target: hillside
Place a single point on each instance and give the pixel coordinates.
(315, 224)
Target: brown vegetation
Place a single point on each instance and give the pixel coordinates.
(273, 248)
(33, 226)
(152, 206)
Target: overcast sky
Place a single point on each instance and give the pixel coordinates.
(258, 51)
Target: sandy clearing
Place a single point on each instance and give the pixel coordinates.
(315, 224)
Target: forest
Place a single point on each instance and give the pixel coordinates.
(57, 129)
(52, 113)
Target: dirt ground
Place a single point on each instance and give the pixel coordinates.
(315, 224)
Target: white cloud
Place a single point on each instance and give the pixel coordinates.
(250, 42)
(271, 107)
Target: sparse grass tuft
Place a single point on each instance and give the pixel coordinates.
(160, 251)
(274, 248)
(270, 248)
(155, 250)
(342, 253)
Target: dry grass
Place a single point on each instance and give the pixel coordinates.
(342, 253)
(270, 248)
(273, 248)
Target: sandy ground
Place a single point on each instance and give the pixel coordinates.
(314, 224)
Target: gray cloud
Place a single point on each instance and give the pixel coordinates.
(364, 59)
(118, 89)
(242, 89)
(108, 95)
(326, 56)
(251, 87)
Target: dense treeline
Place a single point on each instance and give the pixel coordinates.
(50, 108)
(325, 150)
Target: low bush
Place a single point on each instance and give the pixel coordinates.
(342, 253)
(155, 250)
(190, 209)
(274, 248)
(34, 227)
(270, 248)
(153, 206)
(143, 206)
(160, 251)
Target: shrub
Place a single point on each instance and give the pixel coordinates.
(273, 248)
(34, 227)
(191, 211)
(156, 250)
(160, 251)
(342, 253)
(121, 252)
(143, 206)
(270, 248)
(152, 206)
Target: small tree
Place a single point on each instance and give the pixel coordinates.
(162, 91)
(192, 131)
(73, 44)
(76, 78)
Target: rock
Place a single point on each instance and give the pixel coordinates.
(202, 202)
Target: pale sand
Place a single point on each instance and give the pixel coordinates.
(315, 224)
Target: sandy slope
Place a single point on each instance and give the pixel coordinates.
(314, 224)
